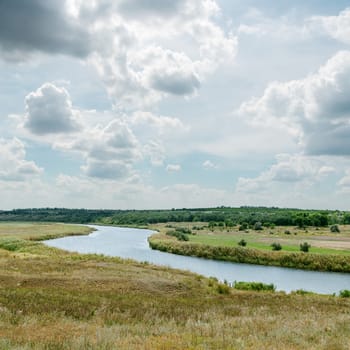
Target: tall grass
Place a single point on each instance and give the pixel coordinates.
(55, 300)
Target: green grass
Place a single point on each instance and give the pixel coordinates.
(51, 299)
(237, 254)
(322, 240)
(225, 240)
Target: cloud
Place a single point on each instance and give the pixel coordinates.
(49, 111)
(39, 25)
(109, 151)
(13, 165)
(107, 193)
(288, 170)
(337, 27)
(344, 182)
(163, 124)
(315, 109)
(174, 74)
(159, 134)
(192, 196)
(156, 153)
(209, 165)
(173, 168)
(109, 169)
(291, 28)
(138, 63)
(135, 8)
(141, 65)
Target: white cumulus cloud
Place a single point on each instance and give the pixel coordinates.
(315, 109)
(49, 111)
(338, 27)
(287, 171)
(13, 163)
(109, 151)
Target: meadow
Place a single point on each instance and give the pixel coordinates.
(327, 251)
(52, 299)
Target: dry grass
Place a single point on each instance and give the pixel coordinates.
(58, 300)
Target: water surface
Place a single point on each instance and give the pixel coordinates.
(132, 243)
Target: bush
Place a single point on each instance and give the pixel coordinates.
(258, 226)
(183, 230)
(287, 232)
(223, 288)
(301, 292)
(276, 246)
(179, 235)
(243, 226)
(304, 247)
(335, 229)
(256, 286)
(345, 293)
(242, 243)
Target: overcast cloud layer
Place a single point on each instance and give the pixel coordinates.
(183, 103)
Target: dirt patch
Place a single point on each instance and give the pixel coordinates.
(341, 245)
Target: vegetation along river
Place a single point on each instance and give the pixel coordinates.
(132, 243)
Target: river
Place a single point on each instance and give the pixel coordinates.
(132, 243)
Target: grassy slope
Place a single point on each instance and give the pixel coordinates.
(50, 299)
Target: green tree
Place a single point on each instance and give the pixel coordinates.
(304, 247)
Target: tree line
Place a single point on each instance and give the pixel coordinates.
(220, 216)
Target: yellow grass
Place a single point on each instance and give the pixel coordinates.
(59, 300)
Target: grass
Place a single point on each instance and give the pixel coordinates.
(252, 242)
(321, 239)
(51, 299)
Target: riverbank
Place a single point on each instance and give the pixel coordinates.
(298, 260)
(52, 299)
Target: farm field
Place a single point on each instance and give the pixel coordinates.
(51, 299)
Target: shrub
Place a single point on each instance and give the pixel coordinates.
(242, 243)
(223, 288)
(276, 246)
(287, 232)
(243, 226)
(335, 229)
(179, 235)
(345, 293)
(304, 247)
(183, 230)
(256, 286)
(301, 292)
(258, 226)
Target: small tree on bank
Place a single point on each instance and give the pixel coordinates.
(335, 229)
(304, 247)
(276, 246)
(242, 243)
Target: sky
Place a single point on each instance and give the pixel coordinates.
(140, 104)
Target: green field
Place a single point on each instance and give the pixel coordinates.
(328, 251)
(322, 241)
(50, 299)
(258, 242)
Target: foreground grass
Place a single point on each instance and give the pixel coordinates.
(50, 299)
